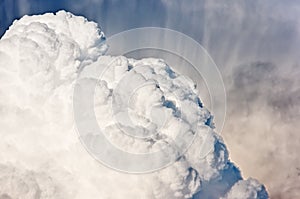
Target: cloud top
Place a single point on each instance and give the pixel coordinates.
(40, 59)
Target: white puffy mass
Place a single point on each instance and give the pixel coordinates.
(41, 156)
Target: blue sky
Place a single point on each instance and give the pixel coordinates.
(138, 13)
(251, 29)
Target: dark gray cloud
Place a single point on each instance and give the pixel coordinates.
(262, 125)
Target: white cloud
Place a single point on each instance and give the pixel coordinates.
(40, 59)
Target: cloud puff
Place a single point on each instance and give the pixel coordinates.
(20, 183)
(40, 59)
(233, 32)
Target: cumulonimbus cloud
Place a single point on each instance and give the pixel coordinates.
(40, 58)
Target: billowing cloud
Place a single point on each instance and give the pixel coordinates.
(41, 156)
(238, 35)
